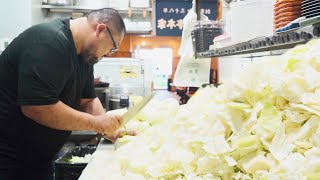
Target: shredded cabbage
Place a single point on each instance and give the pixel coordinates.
(262, 124)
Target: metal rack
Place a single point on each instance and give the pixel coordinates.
(71, 8)
(84, 9)
(283, 40)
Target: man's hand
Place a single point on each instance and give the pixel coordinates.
(120, 133)
(108, 124)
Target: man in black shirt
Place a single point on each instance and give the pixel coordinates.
(46, 90)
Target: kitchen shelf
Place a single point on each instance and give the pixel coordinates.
(84, 9)
(71, 8)
(281, 41)
(228, 51)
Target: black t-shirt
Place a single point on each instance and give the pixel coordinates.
(40, 67)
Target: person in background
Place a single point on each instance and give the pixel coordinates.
(47, 90)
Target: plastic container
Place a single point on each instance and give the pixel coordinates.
(310, 21)
(285, 18)
(285, 1)
(304, 7)
(309, 3)
(286, 5)
(311, 11)
(282, 24)
(286, 11)
(221, 41)
(312, 15)
(203, 35)
(310, 8)
(288, 2)
(67, 170)
(286, 14)
(251, 19)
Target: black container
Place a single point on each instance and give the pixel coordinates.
(202, 38)
(66, 170)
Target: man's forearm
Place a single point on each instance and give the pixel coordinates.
(92, 106)
(60, 116)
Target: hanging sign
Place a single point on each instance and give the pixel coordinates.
(170, 14)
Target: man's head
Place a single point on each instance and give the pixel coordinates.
(106, 33)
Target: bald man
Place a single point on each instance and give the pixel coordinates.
(47, 90)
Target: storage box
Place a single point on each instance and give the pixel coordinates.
(251, 19)
(203, 35)
(67, 170)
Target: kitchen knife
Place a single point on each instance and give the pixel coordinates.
(136, 108)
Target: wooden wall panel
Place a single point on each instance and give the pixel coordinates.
(157, 42)
(130, 42)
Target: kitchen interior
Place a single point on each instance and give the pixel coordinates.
(241, 32)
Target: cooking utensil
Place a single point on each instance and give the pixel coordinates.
(136, 108)
(130, 114)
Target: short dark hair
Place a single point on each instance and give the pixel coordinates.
(108, 16)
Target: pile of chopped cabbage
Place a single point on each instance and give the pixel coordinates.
(262, 124)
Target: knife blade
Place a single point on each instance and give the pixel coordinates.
(136, 109)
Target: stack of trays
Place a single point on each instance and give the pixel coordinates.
(310, 8)
(286, 11)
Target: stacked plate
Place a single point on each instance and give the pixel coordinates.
(286, 11)
(310, 8)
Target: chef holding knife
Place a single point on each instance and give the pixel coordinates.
(47, 91)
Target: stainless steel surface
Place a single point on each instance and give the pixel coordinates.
(116, 91)
(136, 108)
(283, 40)
(114, 103)
(83, 138)
(83, 133)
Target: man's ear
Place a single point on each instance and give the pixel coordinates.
(100, 28)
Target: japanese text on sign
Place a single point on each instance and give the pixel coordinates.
(170, 14)
(184, 11)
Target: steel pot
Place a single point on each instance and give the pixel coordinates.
(120, 101)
